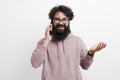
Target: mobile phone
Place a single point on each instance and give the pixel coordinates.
(51, 25)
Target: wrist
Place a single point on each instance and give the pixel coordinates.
(47, 39)
(45, 43)
(90, 53)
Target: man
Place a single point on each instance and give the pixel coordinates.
(60, 52)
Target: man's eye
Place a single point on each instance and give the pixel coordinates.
(57, 19)
(64, 19)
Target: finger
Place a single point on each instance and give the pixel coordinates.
(99, 46)
(50, 28)
(47, 30)
(102, 45)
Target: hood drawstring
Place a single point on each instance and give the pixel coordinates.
(57, 51)
(63, 46)
(60, 46)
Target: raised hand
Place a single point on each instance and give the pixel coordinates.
(48, 37)
(47, 33)
(97, 47)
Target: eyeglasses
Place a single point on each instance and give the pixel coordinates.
(57, 20)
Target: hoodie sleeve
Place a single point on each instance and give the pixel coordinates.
(38, 55)
(85, 60)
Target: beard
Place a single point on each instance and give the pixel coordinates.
(59, 34)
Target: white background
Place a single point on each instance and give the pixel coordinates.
(23, 23)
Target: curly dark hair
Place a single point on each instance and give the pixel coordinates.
(64, 9)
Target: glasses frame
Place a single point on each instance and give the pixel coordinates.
(58, 20)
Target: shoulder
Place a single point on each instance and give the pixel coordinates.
(77, 38)
(40, 41)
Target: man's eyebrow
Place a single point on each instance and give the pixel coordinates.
(60, 18)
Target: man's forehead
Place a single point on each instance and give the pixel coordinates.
(60, 15)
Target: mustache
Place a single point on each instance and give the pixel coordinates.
(59, 25)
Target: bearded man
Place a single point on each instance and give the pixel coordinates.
(61, 52)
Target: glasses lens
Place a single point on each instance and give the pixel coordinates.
(57, 20)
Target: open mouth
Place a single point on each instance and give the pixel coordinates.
(61, 27)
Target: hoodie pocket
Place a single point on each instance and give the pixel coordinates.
(62, 78)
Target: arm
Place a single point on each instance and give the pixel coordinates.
(85, 60)
(40, 54)
(88, 58)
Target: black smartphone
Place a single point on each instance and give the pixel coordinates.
(51, 25)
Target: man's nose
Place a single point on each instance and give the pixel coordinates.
(61, 22)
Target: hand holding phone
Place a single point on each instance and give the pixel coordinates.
(48, 37)
(51, 29)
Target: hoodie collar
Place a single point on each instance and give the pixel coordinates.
(69, 36)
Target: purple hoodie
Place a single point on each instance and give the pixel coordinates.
(62, 60)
